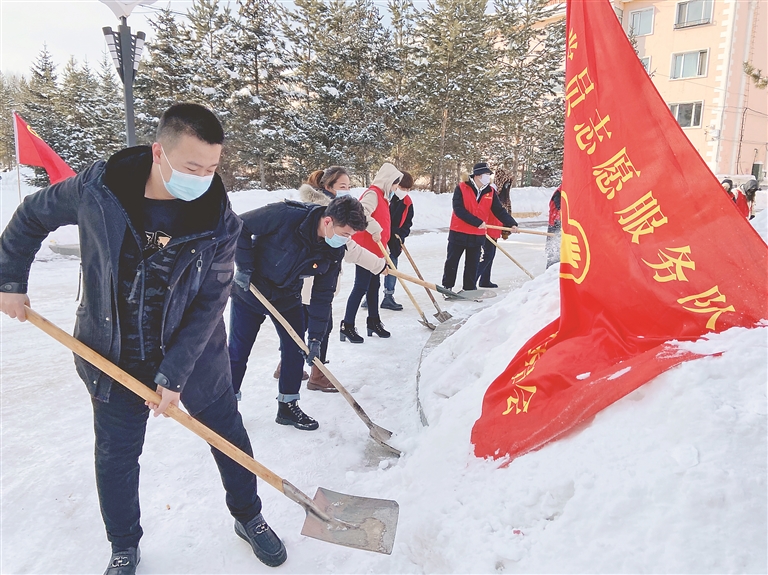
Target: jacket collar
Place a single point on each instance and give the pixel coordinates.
(126, 175)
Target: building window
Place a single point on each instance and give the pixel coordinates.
(693, 13)
(688, 115)
(689, 64)
(646, 62)
(641, 22)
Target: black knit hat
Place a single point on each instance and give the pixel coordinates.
(481, 168)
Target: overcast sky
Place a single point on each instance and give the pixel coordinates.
(68, 27)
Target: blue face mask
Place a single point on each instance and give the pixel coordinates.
(336, 241)
(183, 186)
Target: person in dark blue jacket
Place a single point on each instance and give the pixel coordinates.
(280, 245)
(157, 243)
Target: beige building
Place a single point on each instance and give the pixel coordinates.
(695, 51)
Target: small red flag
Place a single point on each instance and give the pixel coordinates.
(639, 267)
(31, 150)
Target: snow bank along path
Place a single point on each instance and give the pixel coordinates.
(671, 478)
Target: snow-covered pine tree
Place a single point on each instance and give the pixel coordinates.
(210, 43)
(164, 76)
(305, 29)
(10, 100)
(109, 131)
(77, 112)
(40, 107)
(403, 122)
(455, 81)
(527, 112)
(257, 120)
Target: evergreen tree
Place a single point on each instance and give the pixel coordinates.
(109, 134)
(77, 115)
(165, 74)
(257, 121)
(340, 76)
(404, 121)
(10, 100)
(210, 44)
(40, 107)
(455, 83)
(528, 105)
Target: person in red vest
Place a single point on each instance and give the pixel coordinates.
(554, 226)
(375, 202)
(474, 200)
(489, 248)
(401, 215)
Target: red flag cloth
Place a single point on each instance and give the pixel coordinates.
(652, 250)
(33, 151)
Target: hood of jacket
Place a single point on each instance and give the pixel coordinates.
(126, 175)
(385, 177)
(310, 195)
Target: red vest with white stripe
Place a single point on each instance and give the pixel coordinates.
(480, 209)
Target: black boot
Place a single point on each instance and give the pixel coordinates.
(389, 303)
(124, 562)
(375, 326)
(290, 414)
(348, 332)
(264, 542)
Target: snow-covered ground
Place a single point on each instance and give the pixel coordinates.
(670, 479)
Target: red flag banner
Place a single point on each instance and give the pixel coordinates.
(31, 150)
(652, 250)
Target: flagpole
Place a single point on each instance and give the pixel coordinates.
(16, 142)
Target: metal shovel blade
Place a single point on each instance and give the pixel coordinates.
(443, 316)
(426, 323)
(360, 522)
(381, 436)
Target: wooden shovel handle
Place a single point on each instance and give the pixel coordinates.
(418, 273)
(147, 394)
(519, 231)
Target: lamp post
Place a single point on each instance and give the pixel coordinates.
(125, 49)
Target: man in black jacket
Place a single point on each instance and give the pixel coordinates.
(474, 200)
(157, 243)
(279, 246)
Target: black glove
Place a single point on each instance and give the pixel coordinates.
(314, 351)
(243, 279)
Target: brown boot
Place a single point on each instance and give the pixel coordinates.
(276, 375)
(318, 381)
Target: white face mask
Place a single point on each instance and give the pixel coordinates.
(485, 179)
(401, 193)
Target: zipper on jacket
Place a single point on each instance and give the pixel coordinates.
(132, 295)
(140, 277)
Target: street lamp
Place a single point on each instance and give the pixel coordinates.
(126, 49)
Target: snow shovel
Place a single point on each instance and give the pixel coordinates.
(378, 433)
(423, 321)
(429, 285)
(442, 316)
(359, 522)
(506, 253)
(519, 231)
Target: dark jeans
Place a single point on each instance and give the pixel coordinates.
(486, 262)
(390, 281)
(366, 284)
(120, 426)
(245, 320)
(471, 261)
(328, 330)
